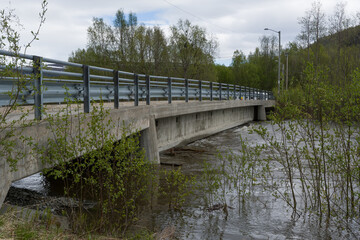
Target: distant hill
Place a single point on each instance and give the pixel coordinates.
(347, 38)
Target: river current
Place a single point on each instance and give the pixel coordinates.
(261, 216)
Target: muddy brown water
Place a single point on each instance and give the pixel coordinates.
(261, 216)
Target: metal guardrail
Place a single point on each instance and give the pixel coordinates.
(46, 84)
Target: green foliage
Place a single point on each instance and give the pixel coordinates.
(210, 181)
(224, 74)
(25, 232)
(332, 45)
(315, 135)
(125, 45)
(10, 40)
(244, 170)
(142, 235)
(22, 224)
(176, 187)
(258, 69)
(192, 51)
(233, 177)
(98, 167)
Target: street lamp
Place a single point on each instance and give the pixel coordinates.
(287, 71)
(268, 29)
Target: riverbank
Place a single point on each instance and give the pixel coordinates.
(30, 214)
(24, 223)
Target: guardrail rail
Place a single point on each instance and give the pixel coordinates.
(49, 81)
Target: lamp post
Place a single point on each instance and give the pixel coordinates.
(268, 29)
(287, 71)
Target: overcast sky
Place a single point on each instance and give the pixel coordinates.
(236, 24)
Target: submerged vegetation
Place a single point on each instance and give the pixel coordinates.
(309, 158)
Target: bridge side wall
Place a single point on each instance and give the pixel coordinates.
(175, 130)
(162, 127)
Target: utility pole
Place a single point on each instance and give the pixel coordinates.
(287, 71)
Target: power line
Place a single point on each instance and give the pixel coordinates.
(201, 19)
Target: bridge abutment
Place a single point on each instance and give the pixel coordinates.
(5, 181)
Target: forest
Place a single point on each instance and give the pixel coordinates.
(329, 43)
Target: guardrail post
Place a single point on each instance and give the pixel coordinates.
(240, 95)
(228, 92)
(249, 89)
(200, 91)
(169, 90)
(38, 97)
(147, 80)
(186, 90)
(86, 93)
(220, 91)
(116, 89)
(253, 93)
(211, 91)
(234, 92)
(136, 86)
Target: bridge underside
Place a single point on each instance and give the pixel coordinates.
(161, 127)
(172, 131)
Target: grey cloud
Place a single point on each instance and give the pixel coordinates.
(238, 23)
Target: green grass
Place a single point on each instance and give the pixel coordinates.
(25, 232)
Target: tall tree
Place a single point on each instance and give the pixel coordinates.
(318, 27)
(127, 46)
(100, 40)
(238, 66)
(159, 51)
(305, 34)
(338, 23)
(191, 49)
(120, 31)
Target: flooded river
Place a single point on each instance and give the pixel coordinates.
(260, 216)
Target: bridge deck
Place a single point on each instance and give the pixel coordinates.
(51, 109)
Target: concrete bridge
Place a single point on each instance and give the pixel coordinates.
(192, 110)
